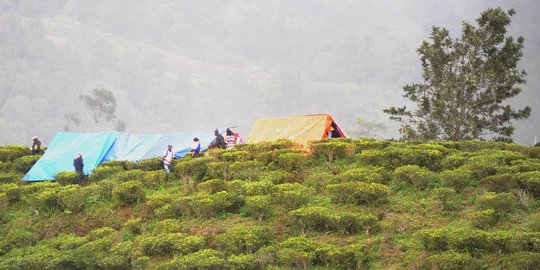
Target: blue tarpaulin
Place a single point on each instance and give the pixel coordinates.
(112, 145)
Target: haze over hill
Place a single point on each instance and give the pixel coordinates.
(198, 65)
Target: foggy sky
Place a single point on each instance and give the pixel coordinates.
(198, 65)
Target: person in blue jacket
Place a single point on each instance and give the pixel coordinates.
(196, 149)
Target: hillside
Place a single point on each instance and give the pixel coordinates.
(344, 204)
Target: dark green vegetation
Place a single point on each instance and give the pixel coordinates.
(466, 83)
(345, 204)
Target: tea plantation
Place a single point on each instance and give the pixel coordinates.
(341, 204)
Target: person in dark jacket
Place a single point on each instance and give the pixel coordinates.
(79, 166)
(218, 142)
(36, 146)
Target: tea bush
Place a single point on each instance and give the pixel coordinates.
(5, 167)
(12, 191)
(525, 165)
(203, 259)
(33, 257)
(13, 152)
(244, 239)
(444, 195)
(291, 195)
(393, 157)
(101, 173)
(127, 165)
(211, 186)
(332, 149)
(242, 262)
(257, 188)
(219, 169)
(455, 160)
(500, 202)
(16, 238)
(458, 178)
(370, 144)
(318, 180)
(151, 164)
(73, 198)
(452, 260)
(505, 182)
(259, 206)
(530, 181)
(45, 200)
(128, 193)
(358, 192)
(131, 175)
(351, 223)
(194, 168)
(246, 170)
(291, 162)
(210, 205)
(522, 261)
(169, 244)
(312, 218)
(232, 155)
(25, 163)
(364, 174)
(9, 177)
(413, 175)
(483, 219)
(67, 178)
(277, 177)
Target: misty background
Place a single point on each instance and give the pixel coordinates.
(197, 65)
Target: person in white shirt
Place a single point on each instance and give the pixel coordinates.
(168, 158)
(196, 149)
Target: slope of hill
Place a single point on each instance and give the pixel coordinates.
(344, 204)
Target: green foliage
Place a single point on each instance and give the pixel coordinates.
(245, 239)
(500, 202)
(460, 100)
(277, 176)
(12, 191)
(522, 261)
(211, 186)
(321, 219)
(204, 205)
(13, 152)
(203, 259)
(266, 146)
(194, 168)
(393, 157)
(242, 262)
(455, 160)
(444, 195)
(413, 175)
(258, 188)
(169, 244)
(9, 177)
(232, 155)
(101, 173)
(291, 195)
(358, 192)
(458, 178)
(128, 193)
(505, 182)
(332, 149)
(259, 206)
(45, 200)
(16, 238)
(24, 163)
(364, 174)
(370, 144)
(484, 219)
(530, 181)
(4, 203)
(452, 260)
(67, 178)
(291, 161)
(151, 164)
(127, 165)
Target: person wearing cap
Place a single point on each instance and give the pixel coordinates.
(218, 142)
(196, 149)
(36, 146)
(168, 157)
(79, 165)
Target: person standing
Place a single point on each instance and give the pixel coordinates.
(196, 149)
(168, 158)
(229, 139)
(36, 146)
(79, 166)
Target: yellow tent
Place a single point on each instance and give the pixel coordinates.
(301, 129)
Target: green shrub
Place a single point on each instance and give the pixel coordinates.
(291, 162)
(318, 180)
(533, 222)
(151, 164)
(505, 182)
(127, 165)
(458, 178)
(25, 163)
(16, 238)
(444, 195)
(32, 257)
(128, 193)
(277, 177)
(266, 146)
(232, 155)
(242, 262)
(106, 188)
(364, 174)
(219, 169)
(313, 218)
(204, 205)
(455, 160)
(102, 253)
(5, 167)
(194, 168)
(358, 192)
(332, 149)
(101, 173)
(211, 186)
(452, 260)
(131, 175)
(245, 239)
(67, 178)
(134, 226)
(169, 244)
(12, 191)
(530, 181)
(203, 259)
(413, 175)
(167, 226)
(500, 202)
(75, 198)
(246, 170)
(9, 177)
(45, 199)
(291, 195)
(4, 203)
(258, 188)
(483, 219)
(12, 152)
(370, 144)
(522, 261)
(393, 157)
(525, 165)
(259, 206)
(351, 223)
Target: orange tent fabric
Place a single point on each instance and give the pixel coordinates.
(301, 129)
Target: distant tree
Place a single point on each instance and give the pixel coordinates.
(368, 129)
(466, 83)
(100, 107)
